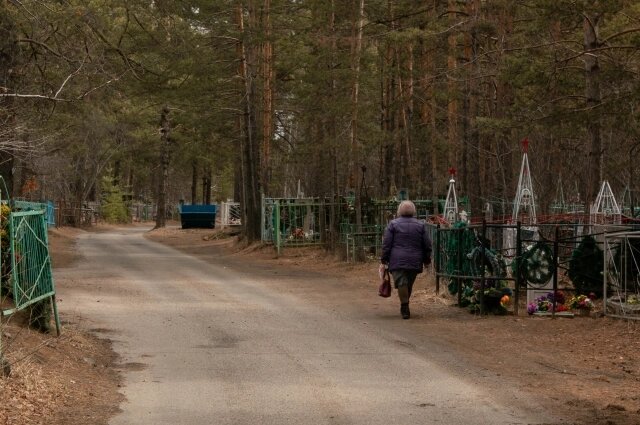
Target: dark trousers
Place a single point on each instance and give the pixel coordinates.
(403, 281)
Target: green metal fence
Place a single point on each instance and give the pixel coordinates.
(364, 246)
(308, 221)
(31, 278)
(48, 207)
(21, 205)
(293, 222)
(347, 230)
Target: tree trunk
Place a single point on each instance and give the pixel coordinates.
(594, 171)
(194, 182)
(452, 89)
(355, 148)
(388, 114)
(405, 89)
(388, 123)
(471, 184)
(408, 117)
(9, 52)
(165, 145)
(428, 108)
(204, 187)
(331, 132)
(7, 161)
(506, 158)
(206, 196)
(267, 113)
(249, 152)
(332, 119)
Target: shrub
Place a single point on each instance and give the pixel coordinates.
(585, 267)
(114, 209)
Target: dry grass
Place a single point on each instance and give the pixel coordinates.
(56, 380)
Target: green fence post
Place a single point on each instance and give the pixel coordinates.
(45, 237)
(556, 254)
(482, 267)
(56, 316)
(518, 266)
(459, 234)
(436, 259)
(278, 236)
(1, 358)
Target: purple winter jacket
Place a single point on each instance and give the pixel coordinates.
(406, 245)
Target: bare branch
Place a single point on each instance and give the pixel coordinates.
(619, 34)
(34, 96)
(18, 3)
(19, 146)
(599, 49)
(41, 44)
(68, 78)
(125, 58)
(55, 97)
(106, 83)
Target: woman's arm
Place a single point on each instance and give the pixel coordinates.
(387, 243)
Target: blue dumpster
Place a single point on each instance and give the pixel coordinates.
(203, 216)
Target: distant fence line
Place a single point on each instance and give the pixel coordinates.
(76, 214)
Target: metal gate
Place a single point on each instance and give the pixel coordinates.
(622, 275)
(230, 214)
(31, 275)
(293, 221)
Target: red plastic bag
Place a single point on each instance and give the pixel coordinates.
(384, 290)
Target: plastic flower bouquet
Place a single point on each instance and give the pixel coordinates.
(580, 302)
(546, 303)
(633, 300)
(541, 304)
(558, 298)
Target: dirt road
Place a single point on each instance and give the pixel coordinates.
(221, 343)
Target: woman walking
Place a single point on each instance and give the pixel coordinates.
(406, 248)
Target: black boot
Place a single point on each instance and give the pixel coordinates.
(404, 310)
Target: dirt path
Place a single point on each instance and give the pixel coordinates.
(583, 370)
(227, 342)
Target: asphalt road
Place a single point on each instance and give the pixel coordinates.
(217, 344)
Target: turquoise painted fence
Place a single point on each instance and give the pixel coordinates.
(48, 208)
(31, 278)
